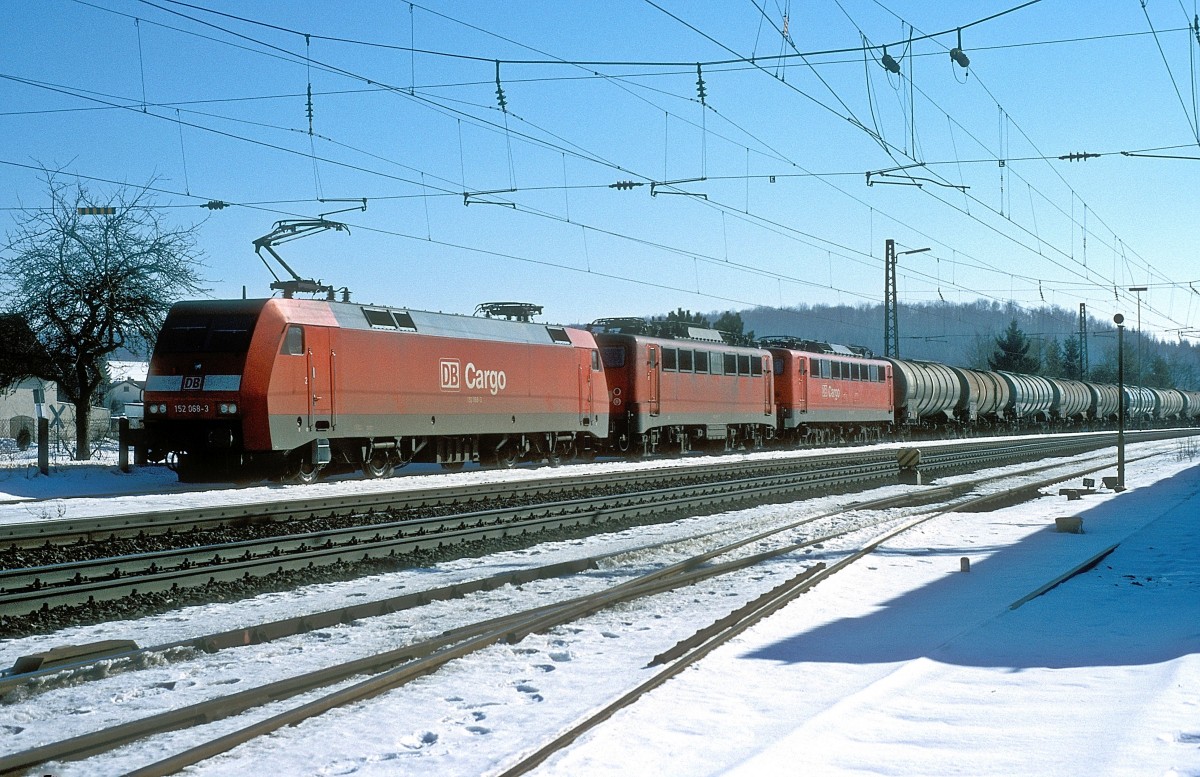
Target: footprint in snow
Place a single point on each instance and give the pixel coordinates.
(418, 741)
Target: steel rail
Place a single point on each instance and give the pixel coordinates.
(427, 656)
(27, 590)
(23, 591)
(513, 629)
(706, 640)
(293, 505)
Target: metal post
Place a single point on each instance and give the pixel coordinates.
(1083, 351)
(891, 328)
(44, 445)
(891, 333)
(1141, 369)
(1119, 320)
(123, 444)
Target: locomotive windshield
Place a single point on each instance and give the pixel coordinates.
(200, 333)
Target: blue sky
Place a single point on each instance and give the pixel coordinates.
(214, 107)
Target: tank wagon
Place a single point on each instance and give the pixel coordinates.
(682, 387)
(1105, 400)
(1191, 404)
(1168, 404)
(1070, 400)
(285, 387)
(1031, 397)
(926, 393)
(828, 392)
(984, 397)
(1139, 403)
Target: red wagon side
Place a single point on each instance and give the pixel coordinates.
(831, 396)
(679, 393)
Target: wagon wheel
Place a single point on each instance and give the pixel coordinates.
(453, 466)
(379, 465)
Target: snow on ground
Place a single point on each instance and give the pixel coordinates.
(901, 664)
(82, 489)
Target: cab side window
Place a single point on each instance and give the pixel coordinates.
(293, 341)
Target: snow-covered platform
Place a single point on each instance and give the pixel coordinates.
(903, 664)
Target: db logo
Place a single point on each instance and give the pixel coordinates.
(193, 382)
(451, 372)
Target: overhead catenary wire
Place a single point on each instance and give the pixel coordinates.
(531, 190)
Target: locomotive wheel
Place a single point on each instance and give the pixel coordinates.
(186, 469)
(379, 465)
(506, 456)
(301, 471)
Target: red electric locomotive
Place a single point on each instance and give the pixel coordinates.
(679, 387)
(244, 389)
(828, 393)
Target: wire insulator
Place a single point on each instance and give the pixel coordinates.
(700, 84)
(500, 90)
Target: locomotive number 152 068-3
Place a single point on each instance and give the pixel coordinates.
(192, 408)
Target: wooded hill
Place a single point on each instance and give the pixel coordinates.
(966, 335)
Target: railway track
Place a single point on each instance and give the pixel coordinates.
(397, 667)
(293, 505)
(367, 533)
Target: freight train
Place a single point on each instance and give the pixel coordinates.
(291, 389)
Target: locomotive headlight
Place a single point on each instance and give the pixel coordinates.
(223, 409)
(162, 409)
(232, 408)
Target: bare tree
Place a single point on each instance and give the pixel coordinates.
(87, 283)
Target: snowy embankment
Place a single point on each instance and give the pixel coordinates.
(901, 664)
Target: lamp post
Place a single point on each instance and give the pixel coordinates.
(1119, 320)
(1141, 379)
(891, 330)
